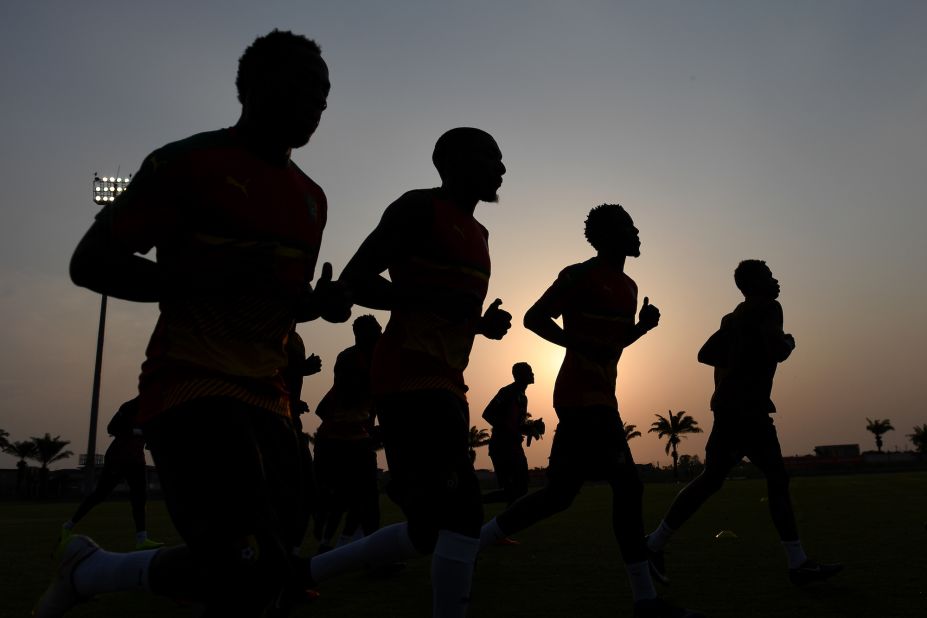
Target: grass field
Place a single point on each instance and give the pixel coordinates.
(569, 566)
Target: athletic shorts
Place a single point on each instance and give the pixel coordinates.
(425, 436)
(345, 466)
(734, 437)
(589, 445)
(231, 479)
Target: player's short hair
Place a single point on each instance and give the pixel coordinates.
(602, 222)
(453, 144)
(365, 323)
(267, 52)
(748, 272)
(518, 367)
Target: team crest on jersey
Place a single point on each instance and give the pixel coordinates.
(312, 208)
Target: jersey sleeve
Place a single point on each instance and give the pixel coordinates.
(146, 213)
(555, 299)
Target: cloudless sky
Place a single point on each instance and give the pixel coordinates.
(788, 131)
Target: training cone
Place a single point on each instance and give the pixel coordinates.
(725, 534)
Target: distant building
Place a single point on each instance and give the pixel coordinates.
(837, 451)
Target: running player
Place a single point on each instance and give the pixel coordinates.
(124, 461)
(598, 302)
(508, 415)
(346, 461)
(237, 228)
(745, 352)
(437, 256)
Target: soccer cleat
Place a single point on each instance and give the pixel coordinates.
(812, 571)
(148, 544)
(507, 540)
(658, 608)
(655, 560)
(60, 596)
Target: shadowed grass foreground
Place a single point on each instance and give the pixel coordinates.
(569, 566)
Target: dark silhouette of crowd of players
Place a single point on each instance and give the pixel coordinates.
(237, 228)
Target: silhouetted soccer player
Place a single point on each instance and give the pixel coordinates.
(437, 256)
(507, 413)
(124, 461)
(300, 366)
(745, 352)
(346, 459)
(598, 302)
(237, 228)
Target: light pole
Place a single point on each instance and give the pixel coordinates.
(104, 190)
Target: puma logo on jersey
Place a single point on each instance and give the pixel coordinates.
(241, 186)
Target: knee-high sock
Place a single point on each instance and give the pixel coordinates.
(490, 533)
(385, 546)
(452, 573)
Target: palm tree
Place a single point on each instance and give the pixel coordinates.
(48, 450)
(24, 450)
(631, 432)
(674, 426)
(4, 439)
(919, 438)
(477, 438)
(879, 427)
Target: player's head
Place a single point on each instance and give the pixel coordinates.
(470, 163)
(522, 373)
(283, 87)
(610, 230)
(366, 330)
(754, 279)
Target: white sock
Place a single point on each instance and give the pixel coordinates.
(490, 533)
(105, 571)
(795, 553)
(141, 537)
(658, 539)
(385, 546)
(452, 574)
(641, 583)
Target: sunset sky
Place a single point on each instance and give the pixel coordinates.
(794, 132)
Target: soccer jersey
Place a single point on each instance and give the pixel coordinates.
(440, 279)
(507, 412)
(346, 409)
(754, 340)
(237, 239)
(598, 303)
(128, 446)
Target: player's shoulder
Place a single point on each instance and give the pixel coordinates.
(577, 272)
(414, 200)
(306, 178)
(412, 208)
(207, 140)
(173, 154)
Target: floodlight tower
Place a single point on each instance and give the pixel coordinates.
(104, 190)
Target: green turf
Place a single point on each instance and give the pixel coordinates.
(569, 566)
